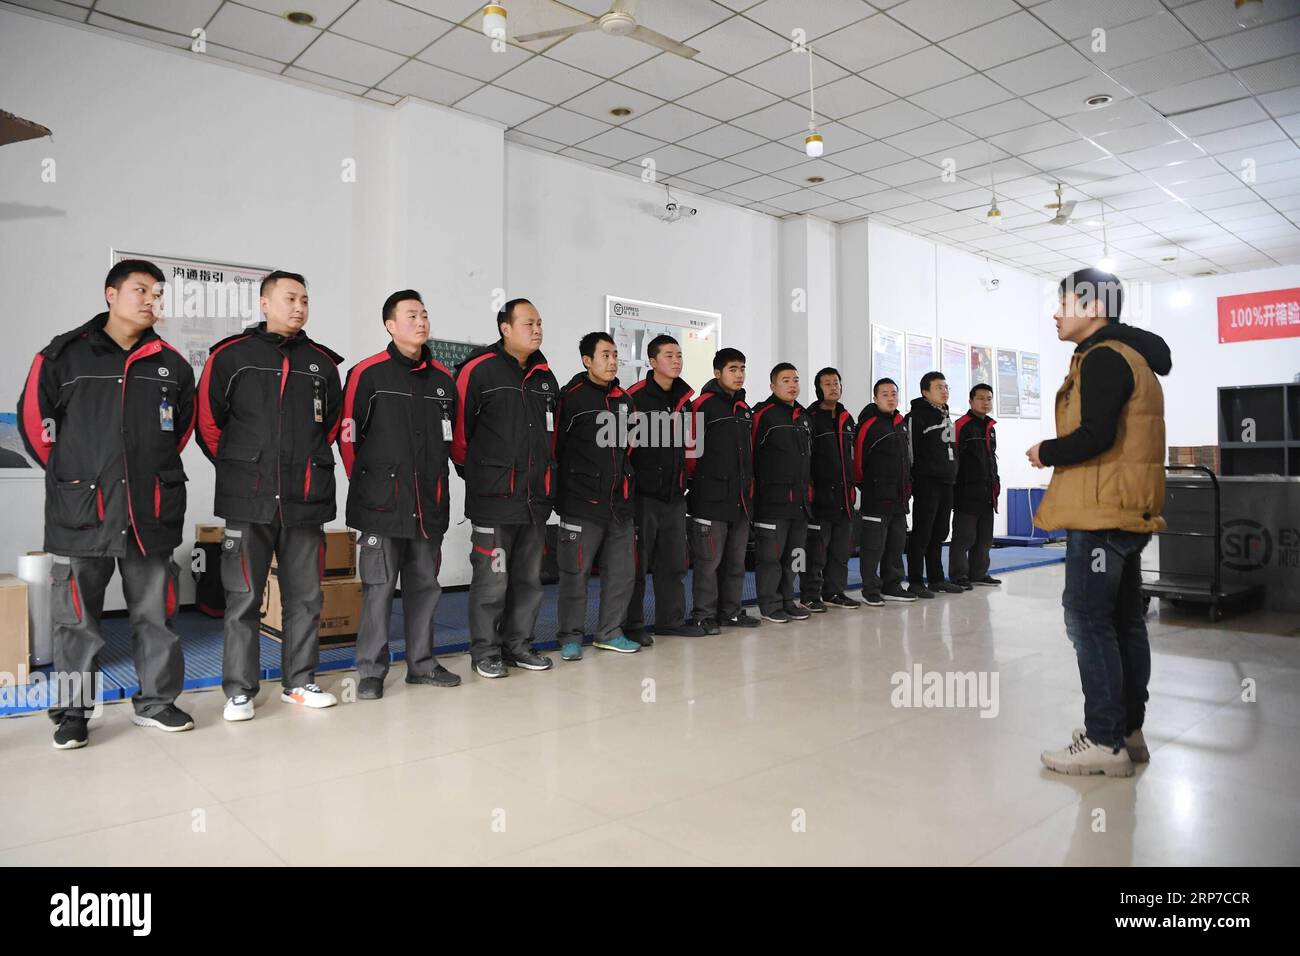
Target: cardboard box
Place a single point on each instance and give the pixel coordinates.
(15, 650)
(1206, 456)
(208, 533)
(340, 614)
(340, 554)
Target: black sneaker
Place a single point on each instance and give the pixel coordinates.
(798, 611)
(896, 592)
(779, 616)
(491, 667)
(370, 688)
(171, 719)
(71, 733)
(709, 626)
(739, 619)
(685, 629)
(945, 587)
(816, 606)
(963, 584)
(530, 661)
(987, 582)
(441, 677)
(842, 601)
(645, 638)
(872, 599)
(920, 591)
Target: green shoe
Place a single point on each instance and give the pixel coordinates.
(618, 643)
(571, 651)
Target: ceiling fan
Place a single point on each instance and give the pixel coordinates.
(1063, 209)
(620, 21)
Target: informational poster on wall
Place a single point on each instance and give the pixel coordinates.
(887, 357)
(203, 301)
(920, 359)
(981, 367)
(13, 453)
(633, 323)
(449, 353)
(1007, 390)
(1031, 400)
(954, 362)
(1259, 315)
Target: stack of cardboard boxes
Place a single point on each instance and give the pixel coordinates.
(1206, 456)
(340, 613)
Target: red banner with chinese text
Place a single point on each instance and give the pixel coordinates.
(1259, 315)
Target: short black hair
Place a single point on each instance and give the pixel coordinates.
(390, 304)
(976, 388)
(589, 342)
(1095, 285)
(507, 314)
(723, 357)
(658, 342)
(929, 378)
(817, 381)
(127, 267)
(778, 368)
(272, 278)
(875, 389)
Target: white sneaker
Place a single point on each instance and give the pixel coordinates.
(238, 708)
(309, 695)
(1083, 758)
(1135, 743)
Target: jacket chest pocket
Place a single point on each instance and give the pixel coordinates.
(239, 471)
(377, 487)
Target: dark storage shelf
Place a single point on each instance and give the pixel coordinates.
(1275, 412)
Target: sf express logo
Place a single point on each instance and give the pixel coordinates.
(1247, 545)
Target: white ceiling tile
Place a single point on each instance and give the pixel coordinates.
(527, 139)
(1184, 171)
(1166, 155)
(1073, 19)
(838, 212)
(471, 53)
(325, 11)
(800, 200)
(601, 54)
(1038, 71)
(177, 16)
(939, 19)
(851, 187)
(1189, 96)
(909, 171)
(1205, 185)
(1282, 102)
(594, 159)
(1291, 124)
(815, 19)
(769, 158)
(621, 143)
(868, 43)
(787, 74)
(1136, 137)
(1274, 75)
(962, 96)
(503, 106)
(599, 100)
(247, 59)
(453, 10)
(670, 76)
(348, 59)
(165, 37)
(545, 79)
(895, 117)
(1135, 41)
(720, 174)
(390, 26)
(737, 44)
(917, 71)
(1246, 141)
(670, 123)
(260, 33)
(679, 19)
(1220, 200)
(1215, 118)
(776, 121)
(563, 126)
(728, 99)
(1038, 136)
(762, 187)
(1269, 42)
(389, 99)
(1067, 154)
(1121, 115)
(58, 8)
(1007, 39)
(1069, 98)
(414, 78)
(847, 96)
(1168, 69)
(1014, 114)
(319, 79)
(812, 167)
(916, 211)
(675, 159)
(928, 139)
(883, 200)
(722, 140)
(864, 159)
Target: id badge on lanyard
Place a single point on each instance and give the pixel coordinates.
(318, 406)
(166, 414)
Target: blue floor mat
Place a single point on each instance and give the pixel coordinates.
(201, 636)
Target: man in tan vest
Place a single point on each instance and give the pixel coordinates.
(1107, 491)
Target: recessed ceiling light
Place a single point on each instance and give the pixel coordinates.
(1208, 272)
(1101, 99)
(620, 111)
(816, 179)
(300, 17)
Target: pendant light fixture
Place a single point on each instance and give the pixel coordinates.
(812, 143)
(994, 215)
(1106, 263)
(494, 20)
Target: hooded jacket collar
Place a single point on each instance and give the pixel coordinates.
(582, 378)
(715, 387)
(679, 388)
(1147, 344)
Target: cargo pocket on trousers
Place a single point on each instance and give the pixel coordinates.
(371, 560)
(234, 564)
(65, 599)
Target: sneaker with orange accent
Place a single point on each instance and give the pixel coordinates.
(309, 695)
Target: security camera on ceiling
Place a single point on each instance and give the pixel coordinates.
(990, 282)
(673, 210)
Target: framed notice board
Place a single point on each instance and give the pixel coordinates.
(451, 354)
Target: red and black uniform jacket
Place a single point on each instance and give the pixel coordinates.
(832, 462)
(882, 463)
(782, 460)
(595, 467)
(977, 465)
(269, 409)
(395, 440)
(501, 444)
(721, 478)
(108, 426)
(660, 461)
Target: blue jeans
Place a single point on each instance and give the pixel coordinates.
(1106, 623)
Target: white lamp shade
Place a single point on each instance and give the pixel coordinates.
(1106, 264)
(494, 20)
(813, 144)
